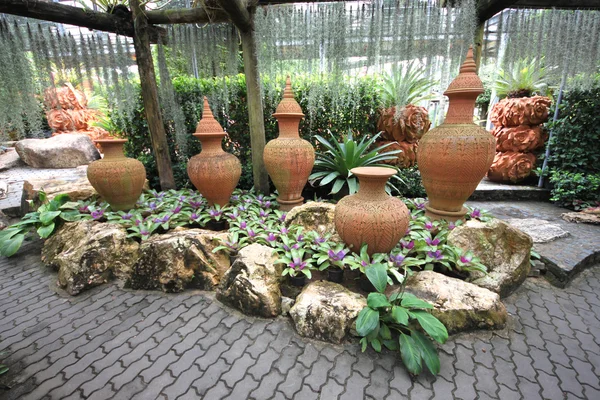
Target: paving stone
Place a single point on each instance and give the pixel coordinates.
(217, 392)
(243, 388)
(293, 380)
(238, 370)
(464, 386)
(154, 387)
(182, 383)
(268, 384)
(355, 387)
(331, 389)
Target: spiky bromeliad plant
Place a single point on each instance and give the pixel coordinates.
(335, 163)
(522, 79)
(402, 87)
(400, 322)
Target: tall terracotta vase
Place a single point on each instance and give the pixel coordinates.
(289, 159)
(455, 156)
(118, 179)
(371, 216)
(214, 172)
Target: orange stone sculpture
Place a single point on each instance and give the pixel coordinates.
(214, 172)
(511, 166)
(455, 156)
(118, 179)
(371, 216)
(405, 159)
(289, 159)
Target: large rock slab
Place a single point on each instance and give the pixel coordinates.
(503, 249)
(72, 182)
(459, 305)
(10, 159)
(179, 259)
(540, 230)
(581, 218)
(4, 222)
(313, 216)
(61, 151)
(326, 311)
(88, 253)
(252, 283)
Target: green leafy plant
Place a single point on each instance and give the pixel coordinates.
(574, 190)
(400, 322)
(44, 221)
(401, 87)
(522, 79)
(329, 254)
(296, 261)
(334, 164)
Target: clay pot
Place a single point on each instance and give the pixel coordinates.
(214, 172)
(289, 159)
(298, 280)
(118, 179)
(455, 156)
(335, 275)
(371, 216)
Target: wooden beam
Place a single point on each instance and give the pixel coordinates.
(187, 16)
(156, 126)
(486, 9)
(255, 107)
(238, 13)
(64, 14)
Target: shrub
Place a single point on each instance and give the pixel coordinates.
(360, 117)
(574, 190)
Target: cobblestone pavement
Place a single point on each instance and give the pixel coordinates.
(110, 343)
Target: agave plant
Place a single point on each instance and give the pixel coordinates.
(400, 88)
(334, 164)
(522, 79)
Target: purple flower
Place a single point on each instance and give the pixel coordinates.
(432, 242)
(476, 213)
(248, 201)
(429, 225)
(251, 233)
(182, 198)
(144, 232)
(282, 217)
(242, 207)
(407, 245)
(214, 213)
(397, 259)
(260, 197)
(127, 216)
(266, 204)
(152, 206)
(161, 220)
(420, 206)
(97, 214)
(235, 197)
(318, 240)
(465, 259)
(263, 213)
(436, 255)
(295, 246)
(271, 237)
(176, 210)
(299, 238)
(84, 209)
(284, 230)
(243, 225)
(337, 255)
(194, 216)
(196, 204)
(297, 264)
(286, 247)
(451, 226)
(137, 222)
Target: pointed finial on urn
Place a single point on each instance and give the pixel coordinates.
(208, 123)
(288, 104)
(467, 80)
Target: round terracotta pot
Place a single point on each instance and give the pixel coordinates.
(371, 216)
(455, 156)
(118, 179)
(214, 172)
(289, 159)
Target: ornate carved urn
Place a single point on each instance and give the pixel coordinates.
(455, 156)
(118, 179)
(371, 216)
(214, 172)
(289, 159)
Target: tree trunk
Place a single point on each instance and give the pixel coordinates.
(255, 108)
(156, 126)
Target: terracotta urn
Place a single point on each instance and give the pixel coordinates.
(455, 156)
(118, 179)
(371, 216)
(214, 172)
(289, 159)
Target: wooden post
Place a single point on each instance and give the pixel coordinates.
(156, 126)
(255, 107)
(478, 47)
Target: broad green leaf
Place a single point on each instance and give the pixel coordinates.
(411, 355)
(367, 321)
(46, 230)
(376, 300)
(377, 274)
(11, 246)
(70, 216)
(376, 345)
(3, 369)
(337, 186)
(391, 344)
(364, 343)
(48, 216)
(400, 315)
(411, 301)
(432, 326)
(330, 177)
(385, 332)
(428, 352)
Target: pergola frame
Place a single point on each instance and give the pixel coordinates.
(241, 12)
